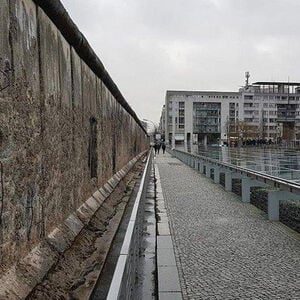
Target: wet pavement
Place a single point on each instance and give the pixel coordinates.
(225, 249)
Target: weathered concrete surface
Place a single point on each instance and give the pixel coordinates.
(5, 49)
(20, 131)
(45, 134)
(226, 249)
(68, 262)
(76, 273)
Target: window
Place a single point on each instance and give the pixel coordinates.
(181, 113)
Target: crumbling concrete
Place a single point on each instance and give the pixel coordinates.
(59, 121)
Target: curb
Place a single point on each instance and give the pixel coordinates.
(168, 277)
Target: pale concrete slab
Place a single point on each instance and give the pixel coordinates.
(168, 280)
(165, 257)
(170, 296)
(164, 242)
(163, 229)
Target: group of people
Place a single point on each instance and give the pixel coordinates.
(159, 145)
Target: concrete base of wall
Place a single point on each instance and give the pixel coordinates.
(23, 277)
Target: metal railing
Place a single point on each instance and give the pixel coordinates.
(122, 285)
(273, 181)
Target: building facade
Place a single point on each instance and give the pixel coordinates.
(162, 122)
(264, 110)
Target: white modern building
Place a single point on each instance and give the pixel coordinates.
(263, 110)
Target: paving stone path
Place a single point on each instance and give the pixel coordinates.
(226, 249)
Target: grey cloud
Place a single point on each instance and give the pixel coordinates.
(149, 46)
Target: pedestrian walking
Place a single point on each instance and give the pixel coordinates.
(163, 146)
(158, 147)
(155, 148)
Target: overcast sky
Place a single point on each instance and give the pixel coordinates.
(150, 46)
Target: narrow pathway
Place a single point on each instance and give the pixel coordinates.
(226, 249)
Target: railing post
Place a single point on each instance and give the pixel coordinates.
(193, 162)
(201, 166)
(273, 205)
(228, 181)
(274, 198)
(229, 175)
(207, 170)
(217, 174)
(247, 183)
(196, 164)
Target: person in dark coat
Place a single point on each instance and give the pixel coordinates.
(155, 148)
(158, 147)
(163, 146)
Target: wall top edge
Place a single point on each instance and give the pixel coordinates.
(57, 13)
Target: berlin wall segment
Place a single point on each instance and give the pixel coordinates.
(48, 99)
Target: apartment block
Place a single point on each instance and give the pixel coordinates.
(263, 110)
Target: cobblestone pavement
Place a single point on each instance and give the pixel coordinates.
(226, 249)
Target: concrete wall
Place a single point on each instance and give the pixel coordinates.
(48, 96)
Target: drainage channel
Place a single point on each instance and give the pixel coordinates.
(103, 283)
(145, 279)
(146, 285)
